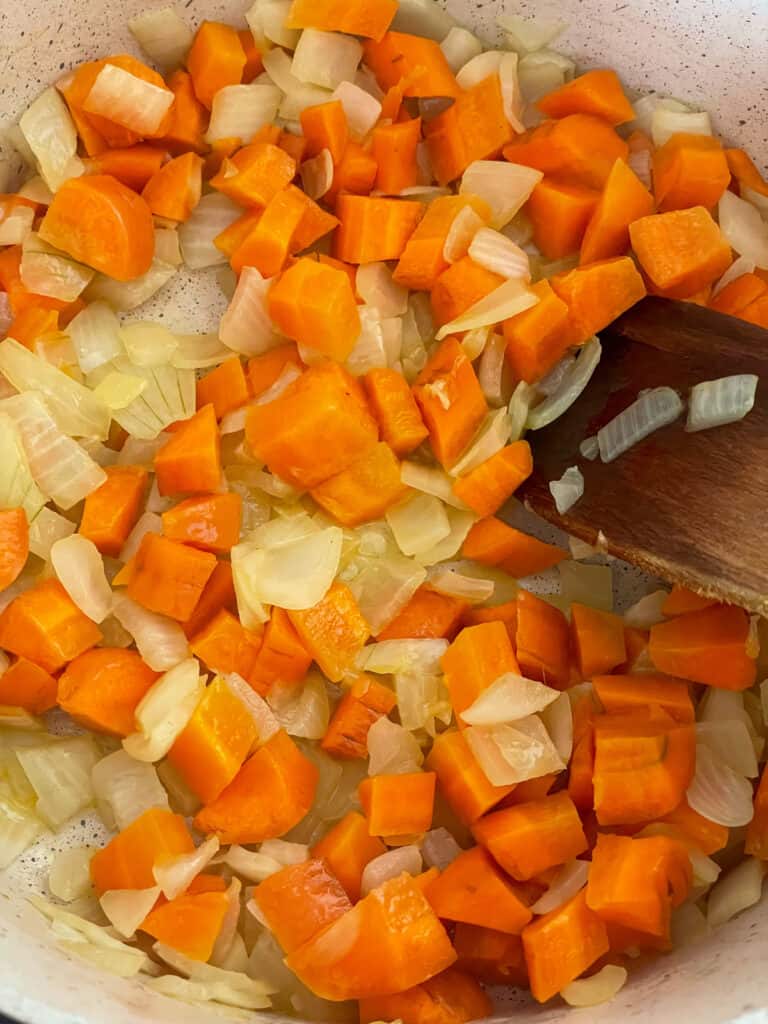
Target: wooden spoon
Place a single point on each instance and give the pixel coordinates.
(689, 508)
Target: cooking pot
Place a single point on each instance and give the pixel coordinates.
(710, 52)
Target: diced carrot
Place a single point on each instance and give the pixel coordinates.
(189, 923)
(757, 830)
(493, 542)
(374, 229)
(217, 153)
(264, 369)
(451, 400)
(531, 789)
(644, 763)
(736, 297)
(390, 941)
(636, 882)
(624, 200)
(270, 241)
(394, 150)
(74, 87)
(299, 901)
(14, 544)
(529, 838)
(744, 171)
(314, 304)
(126, 862)
(459, 287)
(398, 805)
(253, 64)
(681, 251)
(363, 491)
(423, 261)
(582, 764)
(559, 214)
(224, 645)
(757, 312)
(269, 795)
(190, 461)
(598, 640)
(505, 613)
(707, 835)
(218, 593)
(32, 324)
(315, 224)
(487, 487)
(476, 127)
(325, 126)
(110, 512)
(225, 388)
(451, 997)
(682, 600)
(626, 693)
(316, 428)
(294, 145)
(333, 631)
(597, 293)
(397, 55)
(233, 236)
(282, 656)
(175, 190)
(368, 18)
(210, 750)
(101, 222)
(689, 170)
(133, 166)
(255, 174)
(475, 659)
(102, 688)
(495, 958)
(347, 848)
(393, 405)
(580, 148)
(543, 642)
(168, 577)
(472, 889)
(363, 704)
(561, 945)
(210, 523)
(538, 337)
(215, 59)
(26, 685)
(46, 627)
(460, 778)
(595, 92)
(355, 173)
(428, 614)
(708, 646)
(188, 116)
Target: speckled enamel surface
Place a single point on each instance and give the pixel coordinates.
(710, 52)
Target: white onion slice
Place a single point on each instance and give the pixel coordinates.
(285, 853)
(504, 186)
(647, 611)
(253, 867)
(69, 876)
(474, 342)
(598, 988)
(511, 91)
(392, 656)
(718, 793)
(508, 699)
(246, 326)
(60, 774)
(459, 524)
(392, 750)
(210, 217)
(127, 787)
(467, 588)
(95, 333)
(45, 529)
(730, 741)
(509, 754)
(646, 105)
(573, 383)
(650, 412)
(128, 100)
(459, 47)
(163, 36)
(439, 849)
(465, 226)
(568, 489)
(539, 74)
(478, 68)
(432, 480)
(714, 403)
(665, 123)
(80, 569)
(49, 131)
(160, 641)
(301, 710)
(757, 199)
(743, 228)
(127, 295)
(293, 575)
(423, 18)
(362, 109)
(558, 721)
(317, 174)
(519, 409)
(491, 370)
(263, 717)
(418, 523)
(17, 485)
(230, 987)
(527, 35)
(326, 58)
(148, 522)
(587, 584)
(48, 271)
(740, 266)
(176, 875)
(239, 111)
(507, 300)
(16, 226)
(127, 908)
(495, 252)
(569, 880)
(164, 711)
(376, 288)
(383, 585)
(739, 889)
(404, 859)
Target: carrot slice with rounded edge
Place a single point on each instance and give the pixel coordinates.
(14, 544)
(102, 688)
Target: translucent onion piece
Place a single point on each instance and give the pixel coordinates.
(509, 754)
(505, 187)
(127, 908)
(326, 58)
(688, 925)
(569, 880)
(439, 849)
(261, 713)
(65, 922)
(491, 370)
(459, 523)
(69, 875)
(294, 575)
(128, 100)
(317, 174)
(420, 699)
(572, 385)
(19, 829)
(507, 300)
(239, 111)
(423, 18)
(302, 710)
(511, 91)
(285, 853)
(45, 529)
(148, 522)
(740, 266)
(160, 641)
(491, 437)
(298, 95)
(568, 489)
(59, 466)
(392, 750)
(73, 406)
(370, 351)
(391, 656)
(653, 410)
(60, 774)
(495, 252)
(383, 586)
(16, 225)
(118, 390)
(508, 699)
(405, 859)
(362, 109)
(474, 342)
(647, 611)
(50, 132)
(128, 787)
(757, 199)
(127, 295)
(253, 867)
(163, 36)
(743, 228)
(168, 396)
(527, 35)
(47, 271)
(587, 584)
(17, 486)
(730, 741)
(376, 288)
(558, 721)
(17, 718)
(148, 344)
(95, 333)
(665, 123)
(274, 14)
(598, 988)
(210, 217)
(209, 974)
(459, 47)
(739, 889)
(79, 566)
(467, 588)
(714, 403)
(246, 327)
(538, 74)
(36, 190)
(431, 480)
(175, 876)
(519, 409)
(418, 523)
(164, 711)
(718, 793)
(589, 448)
(228, 931)
(646, 105)
(465, 226)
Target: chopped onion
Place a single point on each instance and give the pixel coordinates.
(665, 123)
(383, 586)
(511, 91)
(495, 252)
(60, 774)
(48, 271)
(647, 611)
(474, 342)
(148, 344)
(163, 36)
(246, 326)
(273, 18)
(390, 656)
(369, 351)
(91, 940)
(714, 403)
(285, 853)
(161, 642)
(646, 105)
(148, 522)
(432, 480)
(587, 584)
(757, 199)
(19, 829)
(739, 889)
(504, 187)
(718, 793)
(476, 70)
(527, 35)
(459, 523)
(519, 409)
(48, 129)
(127, 787)
(16, 225)
(688, 925)
(392, 864)
(509, 754)
(210, 217)
(653, 410)
(253, 867)
(459, 47)
(303, 709)
(598, 988)
(362, 109)
(730, 741)
(79, 566)
(176, 875)
(118, 390)
(127, 908)
(743, 228)
(580, 550)
(418, 523)
(507, 300)
(317, 174)
(376, 288)
(293, 575)
(572, 384)
(467, 588)
(508, 699)
(392, 750)
(423, 18)
(541, 73)
(239, 111)
(37, 191)
(491, 371)
(298, 95)
(420, 699)
(127, 295)
(45, 529)
(589, 448)
(69, 875)
(60, 467)
(463, 229)
(128, 100)
(164, 710)
(261, 713)
(558, 721)
(439, 849)
(740, 266)
(209, 983)
(95, 333)
(569, 880)
(326, 58)
(168, 395)
(17, 486)
(568, 489)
